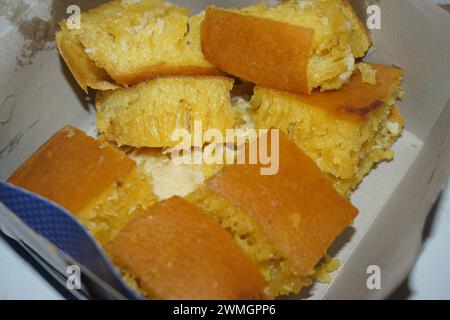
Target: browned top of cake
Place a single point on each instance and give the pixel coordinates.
(357, 100)
(298, 208)
(238, 44)
(176, 251)
(72, 169)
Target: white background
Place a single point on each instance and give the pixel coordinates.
(429, 279)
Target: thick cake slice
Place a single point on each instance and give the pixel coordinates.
(125, 42)
(175, 251)
(284, 222)
(147, 114)
(345, 132)
(101, 186)
(85, 71)
(295, 46)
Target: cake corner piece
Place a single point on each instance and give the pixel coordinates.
(172, 258)
(355, 121)
(102, 187)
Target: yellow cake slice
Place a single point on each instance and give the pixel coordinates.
(146, 115)
(125, 42)
(85, 71)
(346, 132)
(295, 46)
(175, 251)
(284, 222)
(102, 187)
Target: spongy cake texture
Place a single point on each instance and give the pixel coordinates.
(284, 222)
(100, 186)
(346, 131)
(130, 41)
(148, 114)
(295, 46)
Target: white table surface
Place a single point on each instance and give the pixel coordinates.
(429, 278)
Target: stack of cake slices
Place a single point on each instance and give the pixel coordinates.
(219, 230)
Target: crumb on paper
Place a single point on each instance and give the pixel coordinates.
(368, 74)
(325, 268)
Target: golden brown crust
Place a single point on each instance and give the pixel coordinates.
(80, 48)
(239, 45)
(357, 100)
(72, 169)
(298, 209)
(86, 73)
(165, 70)
(176, 251)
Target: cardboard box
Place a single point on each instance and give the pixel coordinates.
(38, 96)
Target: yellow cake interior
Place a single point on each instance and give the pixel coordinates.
(107, 214)
(276, 270)
(146, 115)
(116, 34)
(345, 150)
(378, 150)
(140, 119)
(338, 39)
(158, 172)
